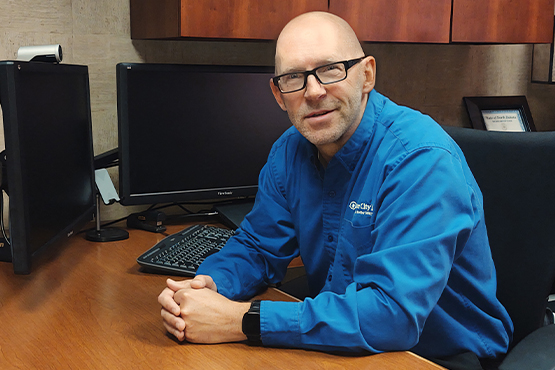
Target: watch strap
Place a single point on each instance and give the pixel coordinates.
(251, 323)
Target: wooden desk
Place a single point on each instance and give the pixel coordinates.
(88, 306)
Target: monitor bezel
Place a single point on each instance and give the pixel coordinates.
(19, 227)
(208, 195)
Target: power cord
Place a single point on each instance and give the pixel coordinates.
(2, 226)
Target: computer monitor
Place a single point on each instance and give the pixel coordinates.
(190, 133)
(48, 155)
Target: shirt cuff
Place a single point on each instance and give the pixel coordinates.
(279, 323)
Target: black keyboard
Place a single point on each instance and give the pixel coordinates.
(183, 252)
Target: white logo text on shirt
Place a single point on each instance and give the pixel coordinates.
(362, 208)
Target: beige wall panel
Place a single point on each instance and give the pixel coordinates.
(101, 17)
(53, 16)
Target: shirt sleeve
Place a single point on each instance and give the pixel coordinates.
(425, 213)
(261, 248)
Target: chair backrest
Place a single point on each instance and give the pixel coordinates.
(516, 174)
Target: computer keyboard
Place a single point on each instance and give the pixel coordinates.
(183, 252)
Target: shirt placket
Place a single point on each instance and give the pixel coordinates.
(332, 196)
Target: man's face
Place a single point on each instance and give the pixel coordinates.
(324, 114)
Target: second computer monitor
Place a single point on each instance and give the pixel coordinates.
(194, 132)
(49, 155)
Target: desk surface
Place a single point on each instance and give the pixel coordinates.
(88, 305)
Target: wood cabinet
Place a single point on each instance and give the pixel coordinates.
(422, 21)
(503, 21)
(234, 19)
(443, 21)
(426, 21)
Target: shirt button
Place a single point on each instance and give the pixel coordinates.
(330, 238)
(329, 277)
(331, 194)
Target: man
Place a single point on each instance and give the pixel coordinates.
(380, 205)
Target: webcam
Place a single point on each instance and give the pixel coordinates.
(40, 53)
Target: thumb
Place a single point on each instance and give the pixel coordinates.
(177, 285)
(203, 281)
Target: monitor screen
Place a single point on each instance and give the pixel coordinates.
(194, 132)
(49, 154)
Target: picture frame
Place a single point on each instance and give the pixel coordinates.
(499, 113)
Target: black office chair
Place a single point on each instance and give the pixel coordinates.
(516, 173)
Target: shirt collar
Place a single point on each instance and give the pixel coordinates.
(350, 153)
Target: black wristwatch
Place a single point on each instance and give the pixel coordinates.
(251, 324)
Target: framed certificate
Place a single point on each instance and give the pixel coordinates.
(500, 113)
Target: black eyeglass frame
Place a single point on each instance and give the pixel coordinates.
(347, 63)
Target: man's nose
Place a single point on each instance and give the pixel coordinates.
(314, 89)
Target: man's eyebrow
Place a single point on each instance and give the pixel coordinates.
(292, 70)
(298, 70)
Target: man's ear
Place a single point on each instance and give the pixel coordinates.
(369, 64)
(277, 95)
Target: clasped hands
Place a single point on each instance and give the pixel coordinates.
(193, 310)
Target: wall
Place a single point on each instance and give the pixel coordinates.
(430, 78)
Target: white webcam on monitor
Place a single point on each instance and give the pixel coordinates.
(40, 53)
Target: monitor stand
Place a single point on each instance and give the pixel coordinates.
(232, 214)
(107, 234)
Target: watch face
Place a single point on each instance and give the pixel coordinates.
(251, 322)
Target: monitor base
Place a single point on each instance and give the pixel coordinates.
(109, 234)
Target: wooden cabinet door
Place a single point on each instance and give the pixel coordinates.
(154, 19)
(503, 21)
(242, 19)
(226, 19)
(426, 21)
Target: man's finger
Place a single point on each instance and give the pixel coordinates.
(168, 303)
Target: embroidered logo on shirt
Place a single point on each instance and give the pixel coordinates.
(362, 208)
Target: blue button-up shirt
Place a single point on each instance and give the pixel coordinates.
(392, 237)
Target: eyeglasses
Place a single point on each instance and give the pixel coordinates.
(326, 74)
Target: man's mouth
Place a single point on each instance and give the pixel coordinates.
(318, 114)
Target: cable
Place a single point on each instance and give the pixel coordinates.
(2, 218)
(172, 217)
(104, 225)
(3, 186)
(198, 214)
(193, 203)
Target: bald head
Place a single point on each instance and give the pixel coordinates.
(316, 45)
(314, 31)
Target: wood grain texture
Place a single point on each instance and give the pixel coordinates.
(503, 21)
(229, 19)
(88, 306)
(426, 21)
(154, 19)
(242, 19)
